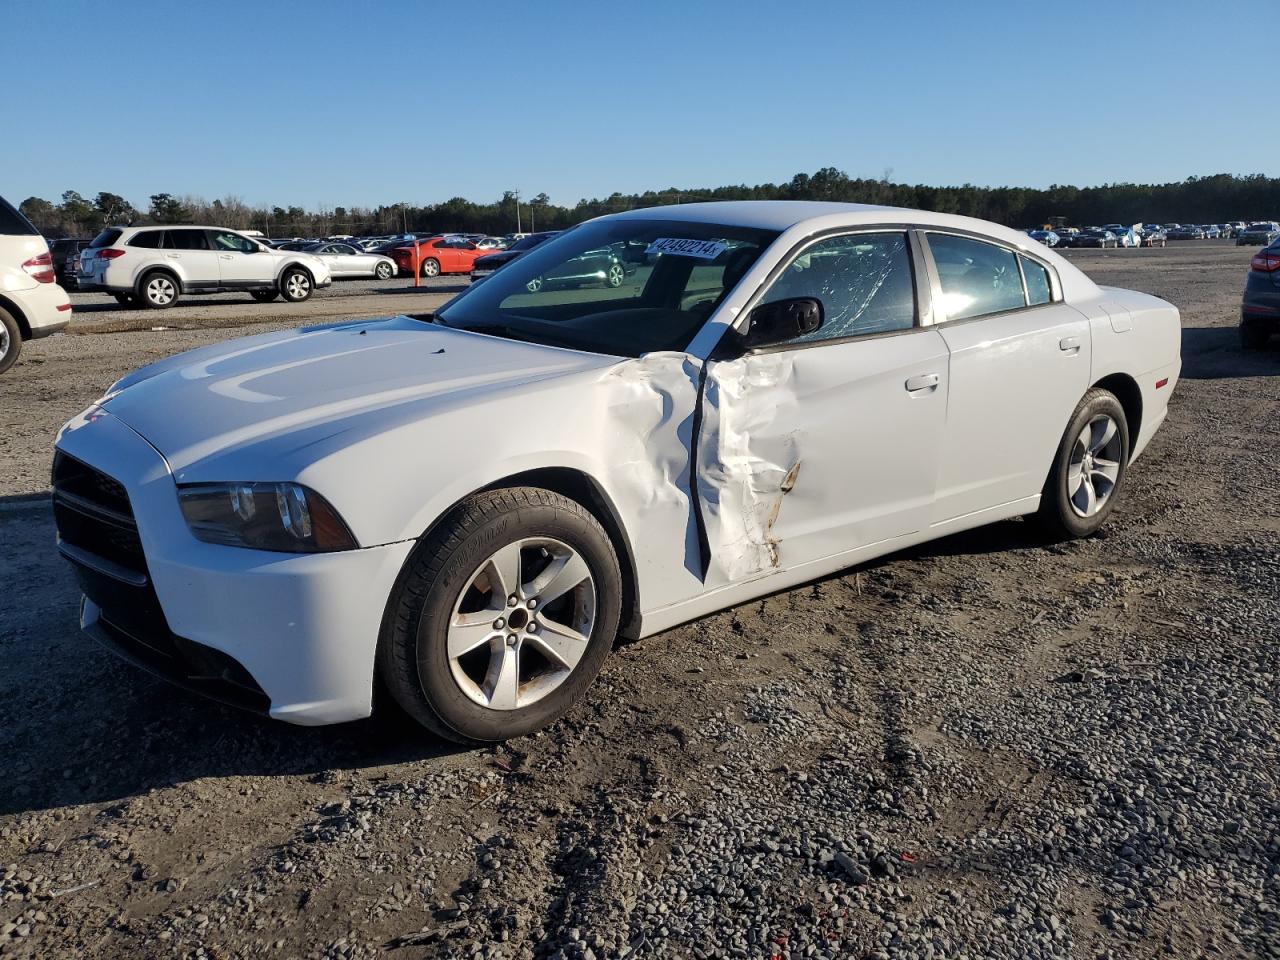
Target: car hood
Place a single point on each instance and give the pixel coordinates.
(272, 396)
(498, 259)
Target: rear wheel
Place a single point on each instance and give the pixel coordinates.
(430, 267)
(1089, 468)
(295, 285)
(503, 616)
(10, 340)
(1254, 335)
(159, 290)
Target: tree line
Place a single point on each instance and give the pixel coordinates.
(1211, 199)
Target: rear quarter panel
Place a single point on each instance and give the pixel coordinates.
(1138, 336)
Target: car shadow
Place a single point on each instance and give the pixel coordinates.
(78, 725)
(175, 310)
(449, 286)
(1215, 353)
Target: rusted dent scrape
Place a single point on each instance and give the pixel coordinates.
(771, 542)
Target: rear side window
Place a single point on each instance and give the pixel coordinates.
(12, 223)
(1037, 277)
(187, 240)
(150, 239)
(977, 278)
(106, 238)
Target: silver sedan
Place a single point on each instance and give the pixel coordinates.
(347, 262)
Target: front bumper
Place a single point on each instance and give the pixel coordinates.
(293, 635)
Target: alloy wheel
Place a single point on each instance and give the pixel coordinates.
(616, 275)
(5, 343)
(160, 291)
(298, 286)
(1094, 468)
(521, 623)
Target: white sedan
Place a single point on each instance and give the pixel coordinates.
(470, 506)
(346, 262)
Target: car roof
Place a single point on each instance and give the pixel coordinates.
(784, 214)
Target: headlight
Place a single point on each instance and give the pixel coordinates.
(264, 516)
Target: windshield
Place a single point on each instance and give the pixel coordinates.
(622, 287)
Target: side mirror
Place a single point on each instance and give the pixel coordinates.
(781, 321)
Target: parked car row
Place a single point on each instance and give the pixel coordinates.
(1258, 233)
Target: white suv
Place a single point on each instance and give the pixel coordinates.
(31, 302)
(153, 266)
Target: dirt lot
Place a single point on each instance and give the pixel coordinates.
(988, 746)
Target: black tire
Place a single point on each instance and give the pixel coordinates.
(10, 340)
(615, 276)
(296, 285)
(126, 299)
(429, 267)
(413, 657)
(158, 290)
(384, 271)
(264, 296)
(1057, 518)
(1254, 335)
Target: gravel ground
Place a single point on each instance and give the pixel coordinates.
(984, 747)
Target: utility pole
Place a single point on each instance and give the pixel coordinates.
(516, 195)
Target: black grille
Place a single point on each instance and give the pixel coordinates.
(97, 533)
(93, 514)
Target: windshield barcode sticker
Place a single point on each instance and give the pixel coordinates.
(702, 249)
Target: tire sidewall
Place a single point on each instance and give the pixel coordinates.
(284, 284)
(438, 688)
(146, 301)
(383, 272)
(1095, 402)
(10, 356)
(428, 271)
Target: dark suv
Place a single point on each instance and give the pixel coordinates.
(1260, 311)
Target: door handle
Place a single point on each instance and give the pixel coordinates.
(922, 382)
(224, 256)
(173, 256)
(1069, 345)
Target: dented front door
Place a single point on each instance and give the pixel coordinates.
(814, 451)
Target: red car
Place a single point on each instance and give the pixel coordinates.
(439, 255)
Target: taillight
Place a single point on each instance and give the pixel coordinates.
(109, 253)
(40, 268)
(1266, 262)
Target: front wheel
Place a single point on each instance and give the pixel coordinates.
(1088, 469)
(503, 616)
(384, 271)
(296, 285)
(615, 275)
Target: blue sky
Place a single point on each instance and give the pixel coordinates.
(324, 103)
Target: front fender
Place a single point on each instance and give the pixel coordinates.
(627, 429)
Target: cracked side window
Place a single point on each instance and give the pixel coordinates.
(863, 280)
